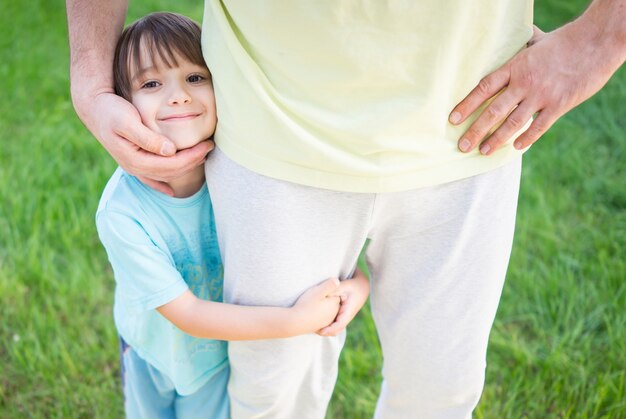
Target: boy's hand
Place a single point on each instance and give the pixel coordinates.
(317, 307)
(353, 293)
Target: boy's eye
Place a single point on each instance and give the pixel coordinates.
(195, 78)
(150, 85)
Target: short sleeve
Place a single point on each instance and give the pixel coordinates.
(145, 272)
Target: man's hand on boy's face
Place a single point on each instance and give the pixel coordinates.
(189, 153)
(117, 125)
(353, 293)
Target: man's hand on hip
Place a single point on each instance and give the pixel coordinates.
(557, 71)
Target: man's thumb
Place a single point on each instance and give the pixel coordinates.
(153, 142)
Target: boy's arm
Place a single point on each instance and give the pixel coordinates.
(94, 28)
(353, 293)
(147, 279)
(316, 308)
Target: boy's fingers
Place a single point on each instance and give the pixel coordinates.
(342, 318)
(328, 331)
(358, 273)
(329, 286)
(342, 297)
(337, 326)
(332, 330)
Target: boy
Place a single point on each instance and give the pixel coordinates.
(164, 252)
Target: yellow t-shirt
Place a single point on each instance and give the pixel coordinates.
(355, 95)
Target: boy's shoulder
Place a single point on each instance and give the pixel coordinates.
(120, 194)
(122, 213)
(126, 198)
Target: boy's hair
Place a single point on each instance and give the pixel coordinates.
(164, 35)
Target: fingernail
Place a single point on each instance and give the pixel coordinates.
(484, 149)
(465, 144)
(168, 149)
(517, 145)
(455, 117)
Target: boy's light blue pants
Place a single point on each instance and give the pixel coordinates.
(148, 394)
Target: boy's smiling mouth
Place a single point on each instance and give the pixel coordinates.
(180, 117)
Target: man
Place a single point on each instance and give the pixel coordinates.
(337, 123)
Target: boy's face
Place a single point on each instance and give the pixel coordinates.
(177, 102)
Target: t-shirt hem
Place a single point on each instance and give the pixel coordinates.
(184, 389)
(467, 166)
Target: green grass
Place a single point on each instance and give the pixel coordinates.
(559, 343)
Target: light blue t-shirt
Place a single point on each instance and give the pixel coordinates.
(159, 247)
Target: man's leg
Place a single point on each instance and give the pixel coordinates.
(277, 239)
(438, 257)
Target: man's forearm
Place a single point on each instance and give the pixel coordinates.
(94, 27)
(605, 23)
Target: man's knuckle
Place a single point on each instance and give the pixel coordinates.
(564, 100)
(537, 130)
(474, 133)
(528, 78)
(484, 86)
(493, 112)
(514, 122)
(496, 138)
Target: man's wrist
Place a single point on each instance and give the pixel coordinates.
(604, 25)
(84, 96)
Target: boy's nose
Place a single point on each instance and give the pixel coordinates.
(179, 95)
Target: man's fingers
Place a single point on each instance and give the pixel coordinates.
(540, 125)
(493, 114)
(148, 140)
(156, 185)
(165, 169)
(192, 157)
(511, 125)
(138, 150)
(486, 88)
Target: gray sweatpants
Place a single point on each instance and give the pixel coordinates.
(437, 257)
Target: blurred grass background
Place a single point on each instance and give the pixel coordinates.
(559, 342)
